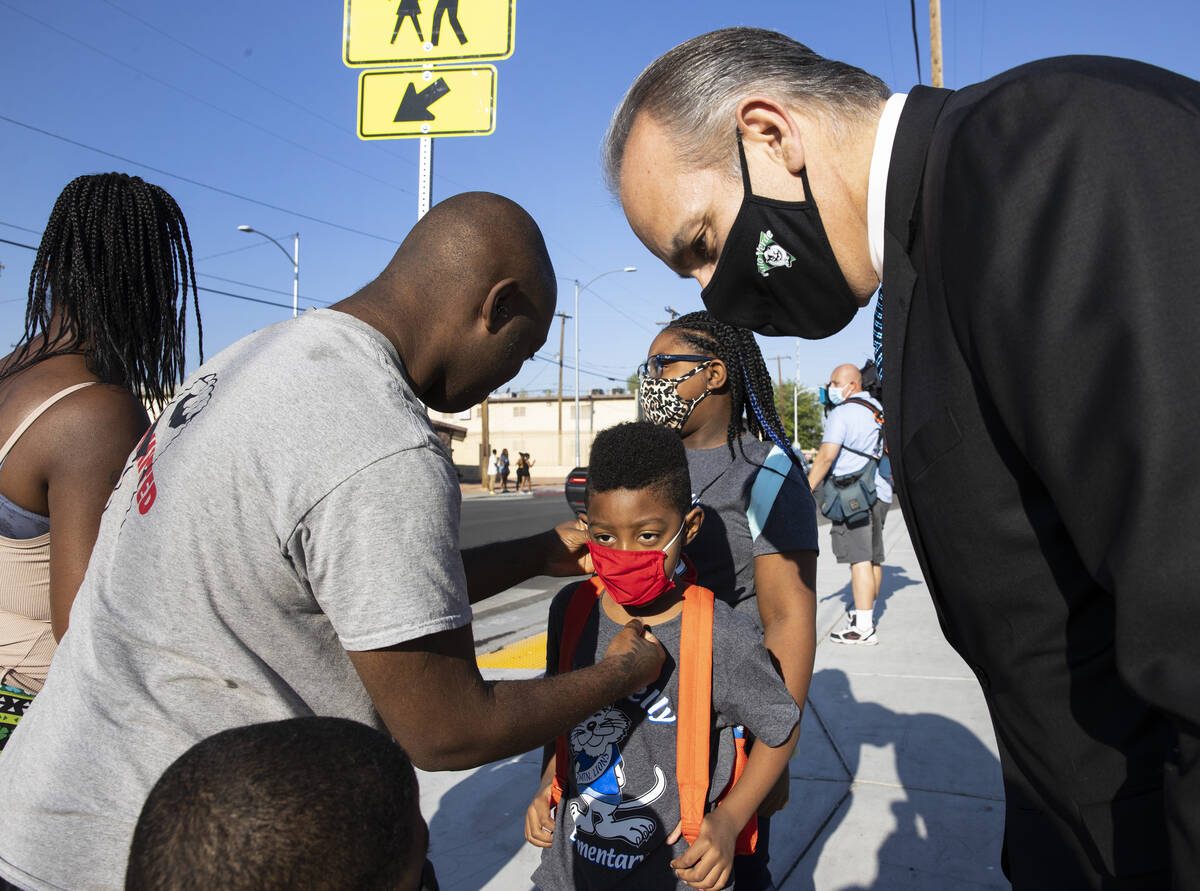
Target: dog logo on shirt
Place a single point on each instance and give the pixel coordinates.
(600, 776)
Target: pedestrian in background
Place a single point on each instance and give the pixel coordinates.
(524, 463)
(848, 462)
(503, 468)
(493, 472)
(104, 335)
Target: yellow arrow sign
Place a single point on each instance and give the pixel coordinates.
(438, 102)
(400, 32)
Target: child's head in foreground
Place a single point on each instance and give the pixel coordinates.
(639, 499)
(321, 803)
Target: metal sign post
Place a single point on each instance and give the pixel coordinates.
(425, 177)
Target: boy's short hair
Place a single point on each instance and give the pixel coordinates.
(321, 803)
(640, 455)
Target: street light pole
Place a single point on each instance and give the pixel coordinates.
(796, 401)
(579, 288)
(293, 258)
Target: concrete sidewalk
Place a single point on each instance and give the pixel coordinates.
(895, 781)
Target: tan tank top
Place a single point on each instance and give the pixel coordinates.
(26, 641)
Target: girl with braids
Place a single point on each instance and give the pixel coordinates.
(104, 330)
(758, 547)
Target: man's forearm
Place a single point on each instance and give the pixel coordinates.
(496, 567)
(507, 718)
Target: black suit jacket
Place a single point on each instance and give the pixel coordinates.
(1042, 302)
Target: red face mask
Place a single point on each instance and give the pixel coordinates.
(633, 578)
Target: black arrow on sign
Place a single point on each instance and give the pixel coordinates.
(415, 106)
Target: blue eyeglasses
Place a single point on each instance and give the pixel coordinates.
(654, 365)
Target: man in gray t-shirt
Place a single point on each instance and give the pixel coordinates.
(284, 542)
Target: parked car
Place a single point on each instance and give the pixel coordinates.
(576, 488)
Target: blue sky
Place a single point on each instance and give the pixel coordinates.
(253, 98)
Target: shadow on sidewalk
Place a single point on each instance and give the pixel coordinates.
(943, 814)
(894, 579)
(479, 825)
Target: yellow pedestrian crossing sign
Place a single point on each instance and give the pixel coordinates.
(418, 32)
(438, 102)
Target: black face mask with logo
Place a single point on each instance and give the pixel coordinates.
(777, 273)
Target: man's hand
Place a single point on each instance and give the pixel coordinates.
(638, 654)
(708, 863)
(566, 552)
(777, 798)
(539, 819)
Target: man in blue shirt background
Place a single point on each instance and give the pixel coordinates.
(852, 440)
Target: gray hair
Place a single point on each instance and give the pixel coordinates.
(693, 91)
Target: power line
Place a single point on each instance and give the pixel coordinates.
(582, 370)
(912, 8)
(22, 228)
(282, 97)
(233, 281)
(198, 287)
(170, 86)
(196, 182)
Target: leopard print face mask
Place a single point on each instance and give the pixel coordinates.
(661, 402)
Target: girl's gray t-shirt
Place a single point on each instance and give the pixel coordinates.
(724, 550)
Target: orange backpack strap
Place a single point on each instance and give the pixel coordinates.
(694, 726)
(695, 708)
(579, 607)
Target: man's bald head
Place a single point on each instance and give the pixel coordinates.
(848, 377)
(466, 299)
(473, 238)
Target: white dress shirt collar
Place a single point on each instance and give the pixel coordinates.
(881, 158)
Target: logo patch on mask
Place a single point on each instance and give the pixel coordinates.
(770, 255)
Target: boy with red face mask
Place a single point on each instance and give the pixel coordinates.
(617, 813)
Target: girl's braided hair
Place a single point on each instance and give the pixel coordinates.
(750, 390)
(114, 257)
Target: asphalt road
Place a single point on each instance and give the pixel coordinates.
(500, 517)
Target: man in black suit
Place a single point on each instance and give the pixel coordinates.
(1038, 241)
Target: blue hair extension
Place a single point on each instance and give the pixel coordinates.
(775, 435)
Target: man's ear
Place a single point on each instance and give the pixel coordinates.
(766, 122)
(692, 522)
(497, 308)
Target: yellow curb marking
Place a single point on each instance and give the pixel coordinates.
(527, 653)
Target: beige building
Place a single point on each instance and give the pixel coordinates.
(530, 424)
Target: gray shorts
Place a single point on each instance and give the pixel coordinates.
(863, 542)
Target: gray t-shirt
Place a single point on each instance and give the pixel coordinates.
(622, 798)
(724, 550)
(290, 504)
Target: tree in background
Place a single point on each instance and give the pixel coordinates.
(811, 418)
(631, 383)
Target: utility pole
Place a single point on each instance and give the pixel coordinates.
(779, 367)
(935, 42)
(484, 449)
(671, 311)
(562, 330)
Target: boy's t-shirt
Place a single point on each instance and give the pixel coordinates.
(622, 799)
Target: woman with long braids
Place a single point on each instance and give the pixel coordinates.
(104, 331)
(757, 549)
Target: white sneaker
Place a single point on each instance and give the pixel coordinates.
(849, 634)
